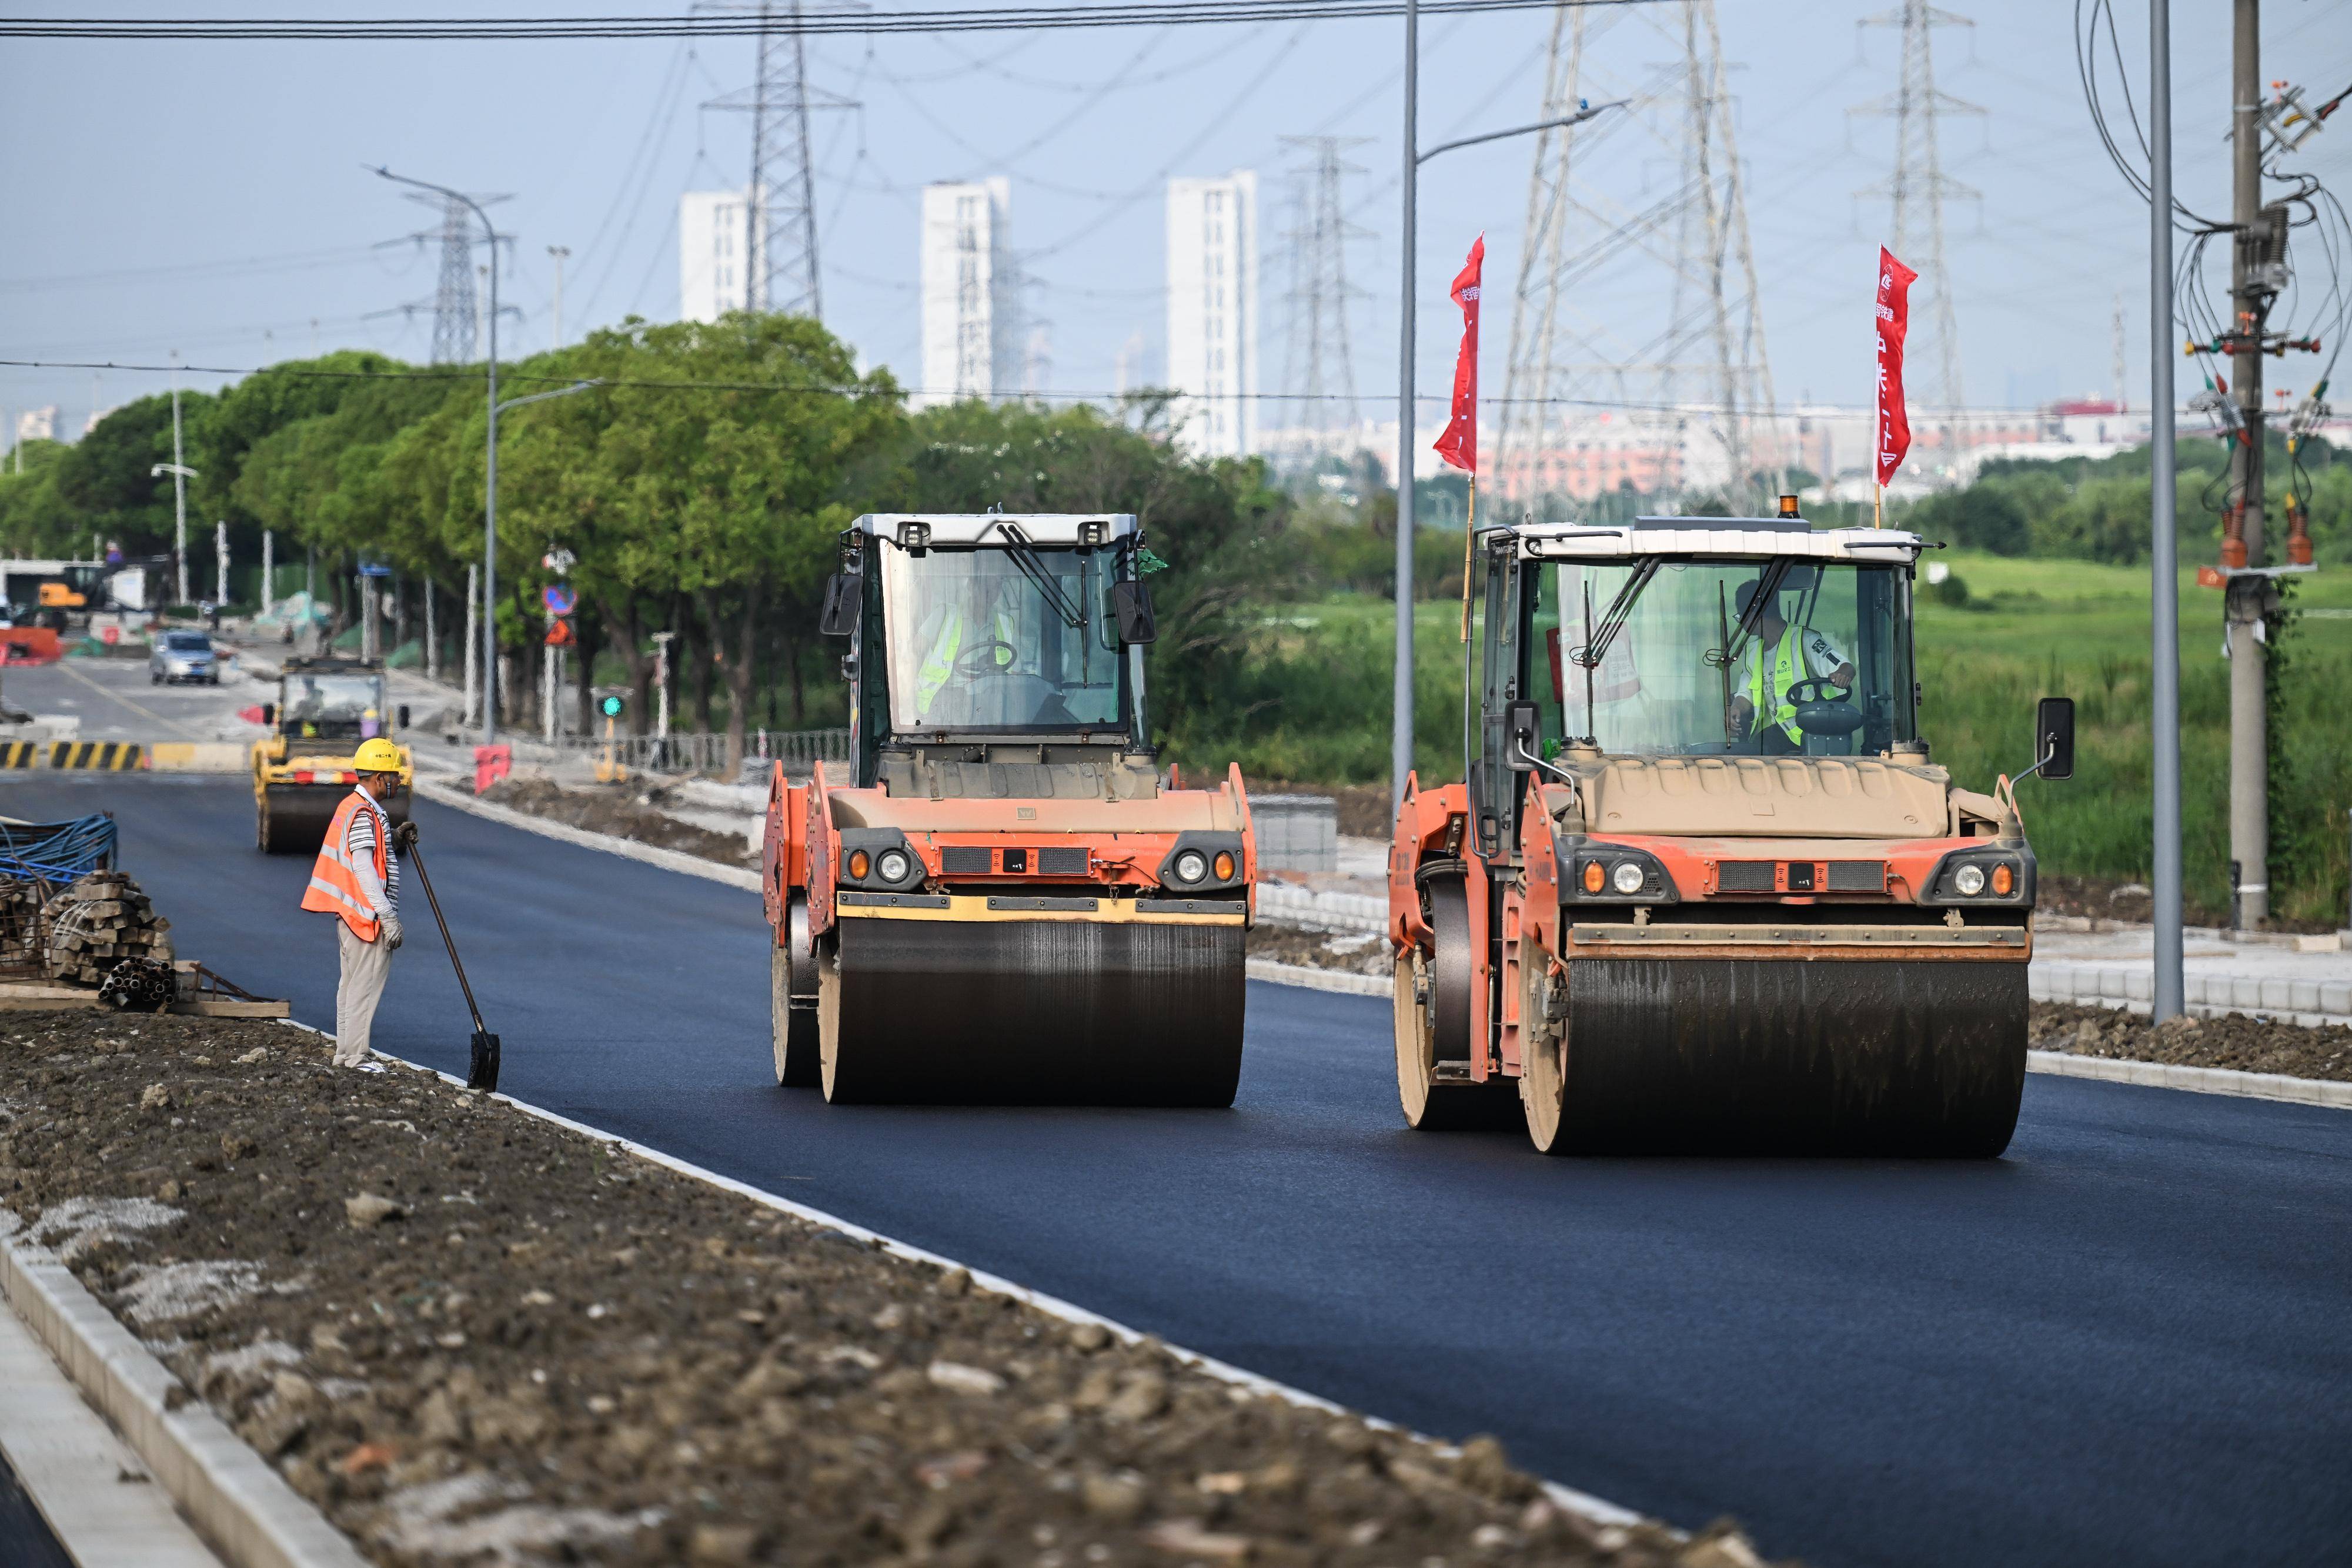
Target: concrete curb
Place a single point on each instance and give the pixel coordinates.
(97, 1502)
(2278, 1086)
(1307, 977)
(627, 849)
(244, 1507)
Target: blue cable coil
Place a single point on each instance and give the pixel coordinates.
(56, 852)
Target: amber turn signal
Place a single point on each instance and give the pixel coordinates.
(858, 864)
(2004, 879)
(1594, 876)
(1225, 865)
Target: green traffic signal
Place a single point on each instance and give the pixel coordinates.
(611, 707)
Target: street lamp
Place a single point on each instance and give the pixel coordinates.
(1400, 736)
(490, 475)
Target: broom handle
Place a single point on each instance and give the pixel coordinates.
(418, 860)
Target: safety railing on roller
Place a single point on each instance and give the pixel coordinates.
(798, 750)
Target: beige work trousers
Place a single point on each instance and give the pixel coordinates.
(367, 965)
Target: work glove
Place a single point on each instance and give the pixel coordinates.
(392, 933)
(403, 836)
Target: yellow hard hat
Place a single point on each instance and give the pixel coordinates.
(378, 756)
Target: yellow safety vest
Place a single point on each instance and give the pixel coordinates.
(939, 666)
(1786, 666)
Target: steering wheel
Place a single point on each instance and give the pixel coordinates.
(1821, 714)
(981, 659)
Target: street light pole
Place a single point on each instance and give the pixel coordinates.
(2164, 573)
(1401, 734)
(558, 251)
(490, 469)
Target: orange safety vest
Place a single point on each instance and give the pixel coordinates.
(334, 879)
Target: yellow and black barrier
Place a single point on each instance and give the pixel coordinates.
(91, 756)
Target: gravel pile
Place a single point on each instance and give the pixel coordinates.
(473, 1337)
(2234, 1040)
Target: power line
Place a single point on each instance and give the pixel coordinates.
(1156, 13)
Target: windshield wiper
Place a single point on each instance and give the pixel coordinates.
(1767, 586)
(1026, 561)
(1612, 619)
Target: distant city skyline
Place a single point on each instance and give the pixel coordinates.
(135, 236)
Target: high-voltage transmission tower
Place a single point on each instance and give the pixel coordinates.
(1917, 188)
(1606, 246)
(779, 243)
(453, 306)
(1318, 369)
(457, 309)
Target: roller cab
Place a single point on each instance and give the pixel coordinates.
(1003, 902)
(1702, 888)
(307, 762)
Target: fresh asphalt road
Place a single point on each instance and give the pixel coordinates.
(2124, 1342)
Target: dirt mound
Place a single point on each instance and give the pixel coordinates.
(472, 1336)
(623, 810)
(2233, 1041)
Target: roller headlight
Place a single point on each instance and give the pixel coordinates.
(892, 866)
(1190, 867)
(1628, 877)
(1969, 880)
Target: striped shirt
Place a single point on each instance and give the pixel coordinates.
(359, 843)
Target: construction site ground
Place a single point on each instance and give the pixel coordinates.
(468, 1334)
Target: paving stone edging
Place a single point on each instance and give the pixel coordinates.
(243, 1507)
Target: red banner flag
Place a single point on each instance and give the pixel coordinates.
(1894, 281)
(1459, 444)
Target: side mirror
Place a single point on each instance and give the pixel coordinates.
(2053, 736)
(844, 594)
(269, 713)
(401, 716)
(1132, 600)
(1523, 736)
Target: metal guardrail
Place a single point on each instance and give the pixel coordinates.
(685, 753)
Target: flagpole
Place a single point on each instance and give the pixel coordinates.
(1469, 532)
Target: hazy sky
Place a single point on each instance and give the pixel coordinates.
(210, 198)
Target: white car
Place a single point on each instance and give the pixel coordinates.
(183, 656)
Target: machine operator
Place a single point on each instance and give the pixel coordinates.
(1783, 657)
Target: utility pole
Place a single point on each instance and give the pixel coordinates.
(661, 683)
(220, 564)
(269, 565)
(2251, 292)
(179, 485)
(2164, 554)
(455, 317)
(558, 251)
(473, 687)
(1401, 722)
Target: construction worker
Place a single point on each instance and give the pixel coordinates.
(357, 879)
(940, 667)
(1785, 655)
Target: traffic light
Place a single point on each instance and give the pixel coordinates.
(611, 705)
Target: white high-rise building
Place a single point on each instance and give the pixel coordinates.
(38, 423)
(1213, 313)
(971, 340)
(713, 254)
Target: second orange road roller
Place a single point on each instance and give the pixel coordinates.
(1003, 900)
(1703, 888)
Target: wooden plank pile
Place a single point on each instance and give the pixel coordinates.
(100, 920)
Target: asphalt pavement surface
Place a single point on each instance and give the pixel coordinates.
(2124, 1342)
(115, 701)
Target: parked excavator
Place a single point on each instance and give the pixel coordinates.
(1003, 902)
(1702, 889)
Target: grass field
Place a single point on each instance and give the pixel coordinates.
(2031, 629)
